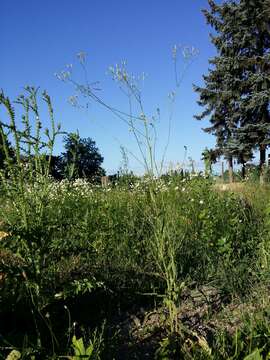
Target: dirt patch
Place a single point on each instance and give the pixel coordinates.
(142, 332)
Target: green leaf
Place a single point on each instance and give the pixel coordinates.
(255, 355)
(90, 349)
(78, 346)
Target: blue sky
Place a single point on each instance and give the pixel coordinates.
(40, 37)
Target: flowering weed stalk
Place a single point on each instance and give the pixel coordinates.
(143, 127)
(25, 182)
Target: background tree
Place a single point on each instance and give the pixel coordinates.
(220, 92)
(209, 156)
(236, 91)
(81, 158)
(56, 166)
(254, 63)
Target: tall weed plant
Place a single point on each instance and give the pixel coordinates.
(143, 128)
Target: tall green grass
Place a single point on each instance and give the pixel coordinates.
(67, 239)
(150, 237)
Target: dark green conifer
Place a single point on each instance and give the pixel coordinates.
(237, 88)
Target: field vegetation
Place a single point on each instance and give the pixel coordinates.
(185, 273)
(162, 266)
(168, 267)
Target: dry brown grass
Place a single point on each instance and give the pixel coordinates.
(3, 235)
(236, 186)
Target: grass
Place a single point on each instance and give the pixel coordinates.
(76, 252)
(166, 268)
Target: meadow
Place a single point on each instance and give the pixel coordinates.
(167, 265)
(162, 266)
(174, 267)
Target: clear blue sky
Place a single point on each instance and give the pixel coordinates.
(40, 37)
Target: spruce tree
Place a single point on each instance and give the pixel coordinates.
(220, 93)
(254, 63)
(236, 91)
